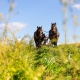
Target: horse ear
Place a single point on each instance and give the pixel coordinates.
(37, 26)
(55, 23)
(41, 26)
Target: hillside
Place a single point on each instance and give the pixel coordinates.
(20, 61)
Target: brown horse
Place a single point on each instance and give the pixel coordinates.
(39, 36)
(54, 34)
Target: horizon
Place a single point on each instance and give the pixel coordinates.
(27, 15)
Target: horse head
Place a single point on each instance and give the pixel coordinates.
(40, 31)
(54, 28)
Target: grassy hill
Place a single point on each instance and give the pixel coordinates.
(20, 61)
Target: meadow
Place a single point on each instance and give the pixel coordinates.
(22, 61)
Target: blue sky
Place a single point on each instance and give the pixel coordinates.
(33, 13)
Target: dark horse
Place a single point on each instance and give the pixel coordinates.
(54, 34)
(39, 37)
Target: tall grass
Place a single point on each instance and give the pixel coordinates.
(20, 61)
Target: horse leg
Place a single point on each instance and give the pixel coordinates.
(55, 43)
(51, 42)
(40, 44)
(36, 44)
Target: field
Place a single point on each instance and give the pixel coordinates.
(21, 61)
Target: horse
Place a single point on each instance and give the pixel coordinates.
(54, 34)
(39, 37)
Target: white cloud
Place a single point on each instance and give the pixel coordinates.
(14, 25)
(77, 6)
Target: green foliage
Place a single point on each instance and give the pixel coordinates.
(20, 61)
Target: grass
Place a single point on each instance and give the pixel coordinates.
(21, 61)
